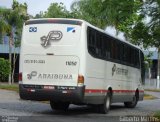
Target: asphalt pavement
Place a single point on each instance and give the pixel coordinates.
(15, 110)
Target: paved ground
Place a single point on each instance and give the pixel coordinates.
(12, 108)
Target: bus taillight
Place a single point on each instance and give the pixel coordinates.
(20, 76)
(80, 80)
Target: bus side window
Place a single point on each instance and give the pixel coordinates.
(113, 49)
(98, 44)
(104, 55)
(91, 41)
(108, 47)
(142, 67)
(132, 56)
(124, 54)
(137, 59)
(117, 56)
(119, 51)
(128, 56)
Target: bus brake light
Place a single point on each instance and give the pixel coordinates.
(20, 76)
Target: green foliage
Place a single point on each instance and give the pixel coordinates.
(11, 22)
(148, 60)
(118, 13)
(140, 35)
(4, 69)
(157, 115)
(13, 18)
(91, 11)
(55, 10)
(127, 16)
(40, 15)
(4, 27)
(148, 33)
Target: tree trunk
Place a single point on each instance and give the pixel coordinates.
(10, 55)
(13, 67)
(10, 61)
(14, 63)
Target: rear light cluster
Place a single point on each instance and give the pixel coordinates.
(80, 80)
(20, 76)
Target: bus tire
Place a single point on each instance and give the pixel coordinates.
(105, 107)
(133, 103)
(59, 105)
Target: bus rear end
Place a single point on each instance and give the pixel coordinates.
(50, 61)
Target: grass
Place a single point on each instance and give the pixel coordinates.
(148, 97)
(13, 87)
(157, 115)
(153, 90)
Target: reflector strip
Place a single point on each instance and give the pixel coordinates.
(95, 91)
(104, 91)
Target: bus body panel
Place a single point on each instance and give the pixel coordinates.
(54, 63)
(50, 70)
(100, 76)
(55, 76)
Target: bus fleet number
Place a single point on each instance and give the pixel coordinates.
(71, 63)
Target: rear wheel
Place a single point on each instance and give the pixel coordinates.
(105, 107)
(59, 105)
(133, 103)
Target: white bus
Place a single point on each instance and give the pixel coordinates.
(69, 61)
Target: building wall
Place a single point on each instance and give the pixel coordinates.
(4, 48)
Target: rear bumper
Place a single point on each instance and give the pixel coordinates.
(56, 93)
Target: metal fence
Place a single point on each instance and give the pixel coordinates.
(150, 84)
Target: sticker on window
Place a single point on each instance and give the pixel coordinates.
(71, 29)
(32, 29)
